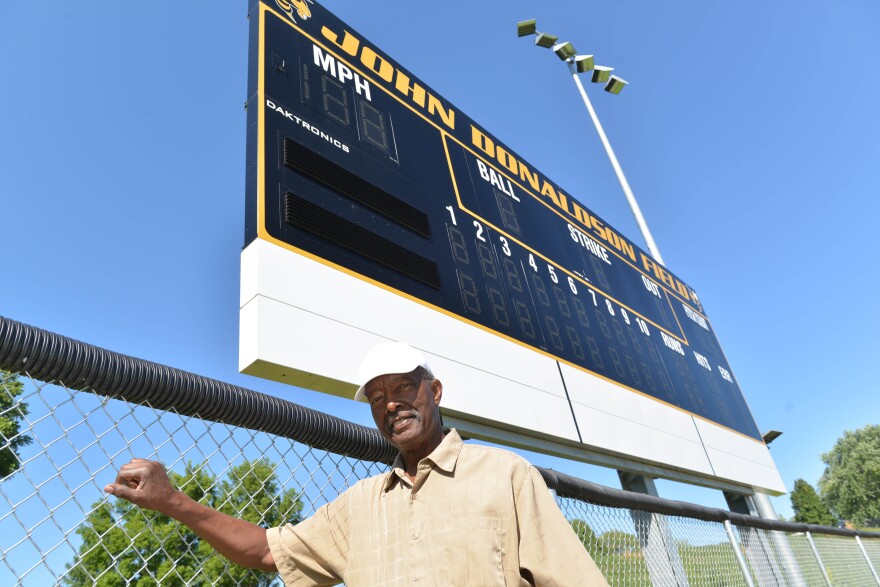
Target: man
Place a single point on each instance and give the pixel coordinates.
(447, 514)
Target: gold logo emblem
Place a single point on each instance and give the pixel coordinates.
(295, 6)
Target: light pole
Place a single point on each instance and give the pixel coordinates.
(653, 530)
(759, 502)
(613, 84)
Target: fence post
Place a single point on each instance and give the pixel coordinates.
(818, 558)
(738, 553)
(756, 543)
(867, 560)
(660, 551)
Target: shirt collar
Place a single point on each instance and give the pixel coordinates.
(444, 457)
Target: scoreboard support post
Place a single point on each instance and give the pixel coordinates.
(755, 546)
(661, 553)
(759, 548)
(765, 509)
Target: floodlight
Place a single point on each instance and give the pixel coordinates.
(771, 435)
(615, 84)
(584, 63)
(546, 40)
(601, 74)
(526, 27)
(564, 50)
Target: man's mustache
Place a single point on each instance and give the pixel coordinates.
(392, 419)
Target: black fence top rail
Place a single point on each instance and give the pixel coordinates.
(54, 358)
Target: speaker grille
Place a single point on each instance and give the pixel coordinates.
(348, 235)
(351, 186)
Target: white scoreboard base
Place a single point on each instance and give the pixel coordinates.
(306, 323)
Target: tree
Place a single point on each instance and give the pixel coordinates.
(586, 535)
(850, 485)
(124, 544)
(808, 507)
(12, 411)
(620, 542)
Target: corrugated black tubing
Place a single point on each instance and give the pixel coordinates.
(54, 358)
(77, 365)
(574, 488)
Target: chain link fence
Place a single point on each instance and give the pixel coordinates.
(57, 525)
(272, 462)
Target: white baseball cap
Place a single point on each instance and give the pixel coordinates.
(386, 359)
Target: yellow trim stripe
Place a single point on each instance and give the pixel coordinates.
(559, 266)
(264, 235)
(442, 130)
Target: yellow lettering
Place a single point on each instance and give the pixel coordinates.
(483, 142)
(598, 228)
(664, 276)
(620, 244)
(507, 160)
(628, 249)
(435, 107)
(349, 44)
(657, 270)
(563, 201)
(547, 190)
(369, 58)
(527, 175)
(581, 214)
(416, 91)
(612, 238)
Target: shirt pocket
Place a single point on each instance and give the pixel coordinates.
(477, 557)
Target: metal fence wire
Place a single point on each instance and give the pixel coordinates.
(60, 526)
(272, 462)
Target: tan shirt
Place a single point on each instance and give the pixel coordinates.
(474, 516)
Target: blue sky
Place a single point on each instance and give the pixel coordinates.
(749, 134)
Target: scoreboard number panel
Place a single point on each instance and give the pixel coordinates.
(360, 172)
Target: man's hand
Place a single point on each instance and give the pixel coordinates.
(145, 484)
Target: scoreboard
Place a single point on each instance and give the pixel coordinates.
(377, 210)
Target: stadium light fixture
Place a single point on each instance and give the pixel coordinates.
(545, 40)
(565, 51)
(526, 27)
(613, 85)
(584, 63)
(770, 436)
(601, 74)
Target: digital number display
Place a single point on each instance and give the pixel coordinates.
(340, 104)
(370, 170)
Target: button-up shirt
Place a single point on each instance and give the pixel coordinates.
(473, 516)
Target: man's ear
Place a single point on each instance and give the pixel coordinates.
(437, 389)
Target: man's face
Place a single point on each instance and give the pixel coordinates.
(406, 409)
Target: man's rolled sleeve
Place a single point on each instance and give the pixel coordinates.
(314, 551)
(549, 549)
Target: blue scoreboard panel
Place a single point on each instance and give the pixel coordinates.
(369, 169)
